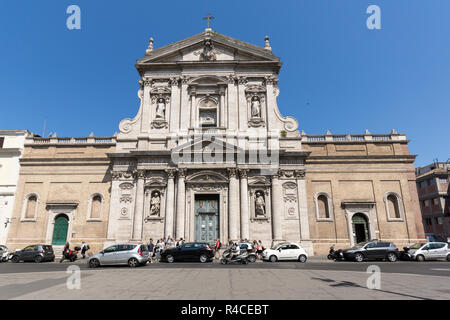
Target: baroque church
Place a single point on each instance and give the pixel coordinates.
(209, 155)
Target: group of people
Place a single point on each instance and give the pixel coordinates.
(160, 245)
(257, 247)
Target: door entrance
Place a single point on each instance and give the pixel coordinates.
(360, 228)
(206, 217)
(60, 230)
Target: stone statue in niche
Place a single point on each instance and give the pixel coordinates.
(260, 205)
(155, 204)
(160, 108)
(256, 107)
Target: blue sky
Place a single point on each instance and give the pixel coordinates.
(336, 75)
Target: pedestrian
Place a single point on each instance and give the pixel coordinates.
(259, 249)
(150, 249)
(84, 248)
(217, 246)
(157, 250)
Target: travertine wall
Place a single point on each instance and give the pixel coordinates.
(64, 177)
(362, 172)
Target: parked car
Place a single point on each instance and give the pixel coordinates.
(132, 255)
(36, 252)
(285, 251)
(189, 251)
(373, 250)
(4, 253)
(427, 251)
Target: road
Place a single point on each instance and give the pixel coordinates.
(316, 279)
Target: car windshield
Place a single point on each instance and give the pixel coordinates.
(416, 245)
(277, 246)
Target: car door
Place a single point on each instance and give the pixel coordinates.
(283, 252)
(370, 250)
(109, 255)
(294, 252)
(426, 251)
(28, 253)
(439, 250)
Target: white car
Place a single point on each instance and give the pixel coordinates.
(285, 251)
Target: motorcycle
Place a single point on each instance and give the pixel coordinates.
(242, 258)
(70, 255)
(335, 255)
(405, 255)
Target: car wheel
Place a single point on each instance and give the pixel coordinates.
(448, 257)
(94, 263)
(273, 258)
(203, 258)
(15, 259)
(302, 258)
(170, 258)
(420, 258)
(392, 257)
(38, 259)
(359, 257)
(133, 262)
(252, 258)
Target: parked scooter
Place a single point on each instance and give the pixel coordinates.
(70, 255)
(335, 255)
(242, 258)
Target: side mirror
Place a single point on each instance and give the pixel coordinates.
(102, 252)
(279, 249)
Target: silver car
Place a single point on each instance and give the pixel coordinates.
(429, 251)
(132, 255)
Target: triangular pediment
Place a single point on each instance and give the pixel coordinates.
(201, 145)
(223, 48)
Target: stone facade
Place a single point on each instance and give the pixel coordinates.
(209, 155)
(62, 175)
(11, 149)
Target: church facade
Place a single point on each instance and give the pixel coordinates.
(209, 155)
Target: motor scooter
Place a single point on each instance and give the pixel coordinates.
(70, 255)
(335, 255)
(241, 258)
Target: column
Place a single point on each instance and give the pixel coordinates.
(170, 197)
(232, 104)
(174, 105)
(185, 106)
(277, 211)
(305, 239)
(181, 203)
(233, 213)
(245, 231)
(192, 95)
(271, 102)
(222, 107)
(243, 109)
(139, 205)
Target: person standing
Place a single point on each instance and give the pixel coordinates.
(84, 248)
(150, 249)
(217, 246)
(66, 252)
(259, 249)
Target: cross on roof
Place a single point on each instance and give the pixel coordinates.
(208, 17)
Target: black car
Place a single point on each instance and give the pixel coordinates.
(37, 253)
(190, 251)
(373, 250)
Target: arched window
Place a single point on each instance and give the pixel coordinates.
(324, 207)
(30, 207)
(394, 208)
(95, 207)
